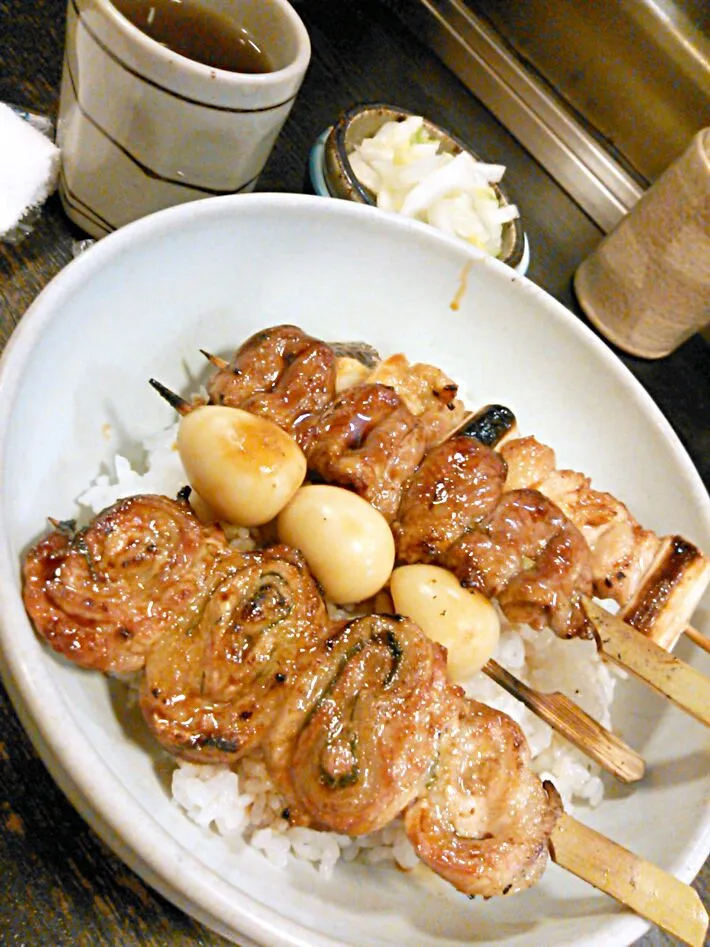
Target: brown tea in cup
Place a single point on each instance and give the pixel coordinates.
(198, 32)
(142, 127)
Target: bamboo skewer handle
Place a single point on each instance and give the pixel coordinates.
(679, 682)
(642, 886)
(564, 716)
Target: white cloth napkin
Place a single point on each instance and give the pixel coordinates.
(29, 167)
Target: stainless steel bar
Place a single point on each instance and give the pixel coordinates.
(525, 106)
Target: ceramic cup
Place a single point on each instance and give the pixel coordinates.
(142, 128)
(647, 285)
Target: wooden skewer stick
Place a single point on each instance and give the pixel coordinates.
(564, 716)
(679, 682)
(640, 885)
(698, 638)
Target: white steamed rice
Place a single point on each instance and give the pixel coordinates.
(242, 805)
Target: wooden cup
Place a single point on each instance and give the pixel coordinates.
(647, 285)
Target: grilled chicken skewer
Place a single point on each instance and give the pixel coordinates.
(672, 582)
(331, 438)
(560, 713)
(656, 581)
(242, 641)
(484, 536)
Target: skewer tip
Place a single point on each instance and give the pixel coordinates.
(215, 360)
(174, 400)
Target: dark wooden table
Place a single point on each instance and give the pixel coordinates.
(60, 885)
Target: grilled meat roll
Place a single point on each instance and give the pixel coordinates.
(103, 595)
(484, 821)
(357, 720)
(211, 689)
(357, 740)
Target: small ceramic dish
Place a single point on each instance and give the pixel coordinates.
(332, 174)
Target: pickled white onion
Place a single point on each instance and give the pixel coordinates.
(402, 166)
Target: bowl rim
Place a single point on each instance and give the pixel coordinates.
(128, 829)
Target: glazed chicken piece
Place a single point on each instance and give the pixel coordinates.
(103, 595)
(355, 743)
(657, 581)
(528, 555)
(281, 374)
(484, 821)
(457, 484)
(621, 550)
(529, 462)
(211, 689)
(367, 441)
(426, 390)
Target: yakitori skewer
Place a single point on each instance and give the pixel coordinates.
(641, 637)
(560, 713)
(640, 885)
(653, 614)
(676, 568)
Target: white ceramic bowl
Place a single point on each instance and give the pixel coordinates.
(141, 303)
